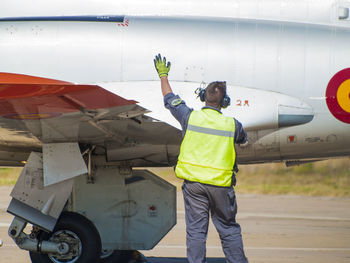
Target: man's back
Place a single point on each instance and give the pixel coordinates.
(207, 153)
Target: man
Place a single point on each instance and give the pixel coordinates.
(206, 162)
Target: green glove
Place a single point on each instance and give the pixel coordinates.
(161, 66)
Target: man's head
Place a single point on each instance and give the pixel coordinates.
(214, 93)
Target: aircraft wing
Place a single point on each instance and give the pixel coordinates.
(37, 110)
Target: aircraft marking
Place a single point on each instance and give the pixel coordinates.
(13, 78)
(338, 95)
(32, 116)
(22, 97)
(126, 23)
(292, 139)
(343, 95)
(103, 18)
(240, 102)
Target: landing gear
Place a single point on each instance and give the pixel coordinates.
(79, 238)
(117, 203)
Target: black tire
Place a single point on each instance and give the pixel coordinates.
(84, 230)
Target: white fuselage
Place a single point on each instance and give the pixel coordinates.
(273, 63)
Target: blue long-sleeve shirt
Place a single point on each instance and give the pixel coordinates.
(181, 112)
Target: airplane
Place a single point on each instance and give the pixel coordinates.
(81, 108)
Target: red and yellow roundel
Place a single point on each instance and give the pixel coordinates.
(338, 95)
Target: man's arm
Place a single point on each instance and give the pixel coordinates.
(178, 109)
(174, 103)
(241, 139)
(165, 85)
(240, 134)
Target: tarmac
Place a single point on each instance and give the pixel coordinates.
(281, 229)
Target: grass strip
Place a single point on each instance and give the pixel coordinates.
(324, 178)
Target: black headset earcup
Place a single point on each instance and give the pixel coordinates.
(225, 102)
(202, 94)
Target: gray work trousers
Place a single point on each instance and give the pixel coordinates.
(221, 202)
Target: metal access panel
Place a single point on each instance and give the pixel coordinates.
(130, 211)
(33, 201)
(62, 161)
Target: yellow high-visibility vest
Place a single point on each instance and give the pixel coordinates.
(207, 152)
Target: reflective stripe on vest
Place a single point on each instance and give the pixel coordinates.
(207, 153)
(210, 131)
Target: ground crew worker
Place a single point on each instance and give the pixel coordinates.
(206, 162)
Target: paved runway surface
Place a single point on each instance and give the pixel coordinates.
(275, 229)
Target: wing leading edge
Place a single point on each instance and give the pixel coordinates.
(37, 110)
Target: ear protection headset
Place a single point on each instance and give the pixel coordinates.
(224, 103)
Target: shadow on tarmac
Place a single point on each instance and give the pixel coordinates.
(181, 260)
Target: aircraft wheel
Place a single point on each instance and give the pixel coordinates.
(81, 236)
